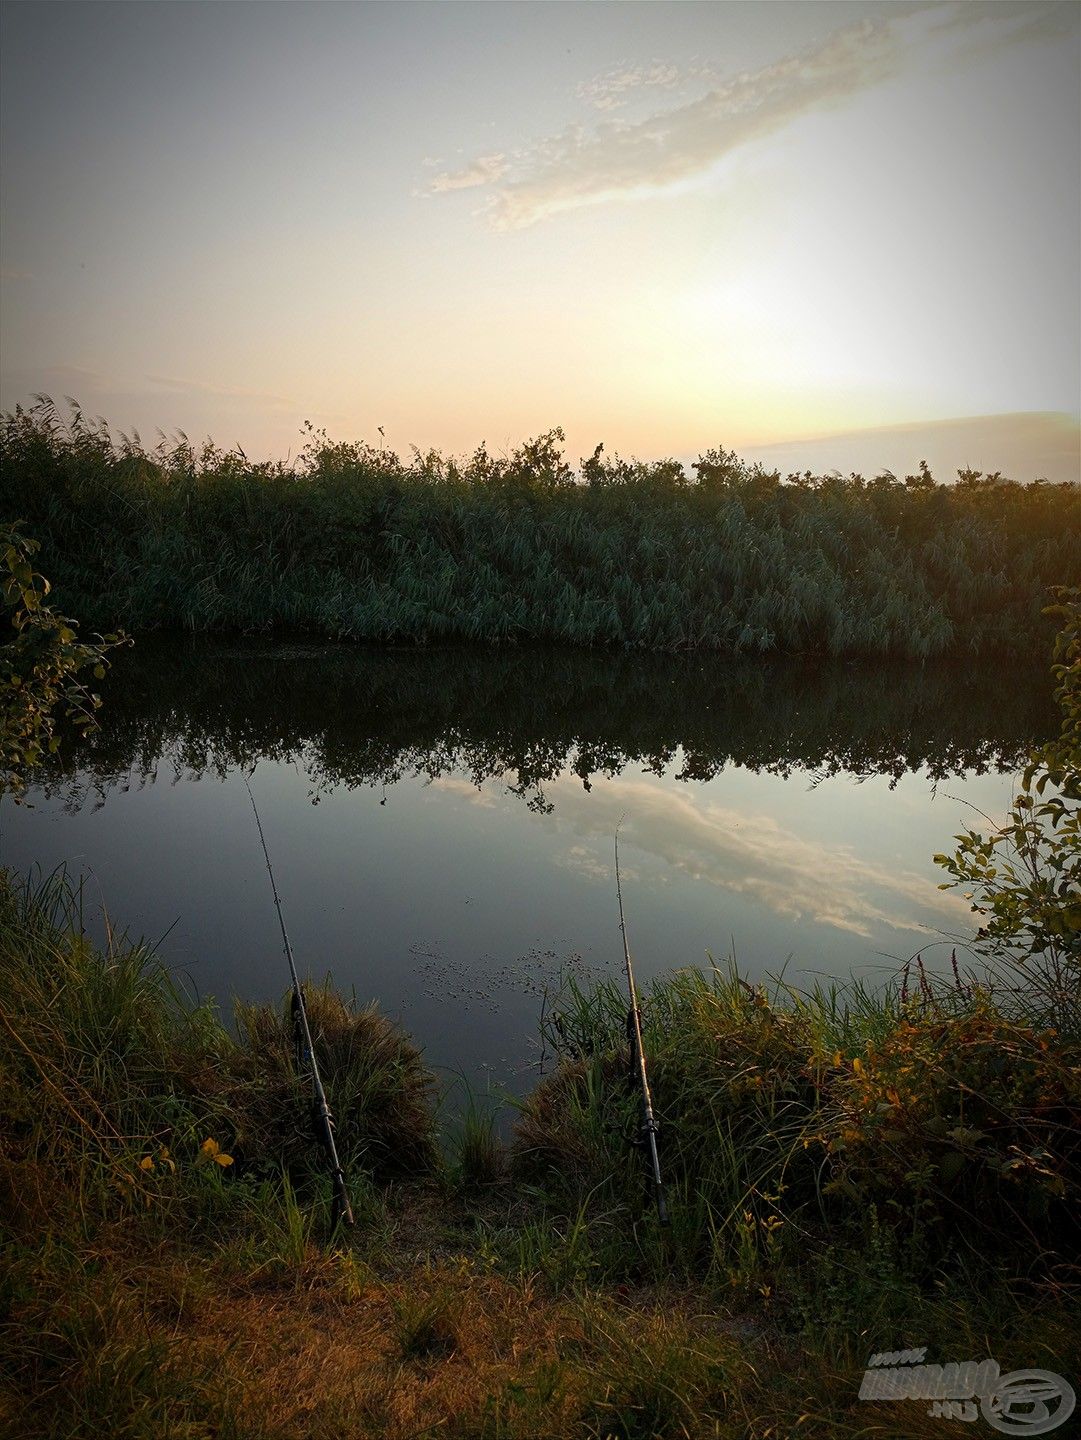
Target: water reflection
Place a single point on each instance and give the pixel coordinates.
(746, 852)
(458, 857)
(353, 717)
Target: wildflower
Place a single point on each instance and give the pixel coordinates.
(213, 1151)
(146, 1163)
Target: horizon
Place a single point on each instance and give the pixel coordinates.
(844, 234)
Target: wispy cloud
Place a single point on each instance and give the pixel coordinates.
(755, 856)
(742, 854)
(613, 88)
(586, 165)
(481, 171)
(227, 392)
(463, 789)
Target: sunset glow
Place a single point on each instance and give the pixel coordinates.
(665, 227)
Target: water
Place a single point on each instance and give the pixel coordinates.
(441, 823)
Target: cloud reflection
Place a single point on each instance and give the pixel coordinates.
(745, 854)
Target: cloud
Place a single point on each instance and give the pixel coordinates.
(228, 392)
(463, 789)
(587, 165)
(753, 855)
(743, 854)
(481, 171)
(1022, 445)
(612, 88)
(584, 862)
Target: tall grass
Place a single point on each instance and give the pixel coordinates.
(939, 1124)
(349, 541)
(115, 1082)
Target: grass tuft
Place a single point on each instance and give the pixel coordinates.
(379, 1089)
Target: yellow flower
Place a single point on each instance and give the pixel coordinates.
(146, 1163)
(213, 1151)
(857, 1066)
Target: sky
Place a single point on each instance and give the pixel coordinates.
(822, 234)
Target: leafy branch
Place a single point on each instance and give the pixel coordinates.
(1024, 878)
(41, 666)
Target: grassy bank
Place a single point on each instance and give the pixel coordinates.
(850, 1173)
(351, 542)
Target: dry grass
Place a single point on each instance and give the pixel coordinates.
(336, 1349)
(331, 1349)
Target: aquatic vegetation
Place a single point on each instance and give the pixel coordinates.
(351, 542)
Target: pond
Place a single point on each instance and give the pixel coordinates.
(441, 823)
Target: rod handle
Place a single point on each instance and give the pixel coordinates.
(662, 1202)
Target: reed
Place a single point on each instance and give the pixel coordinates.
(351, 542)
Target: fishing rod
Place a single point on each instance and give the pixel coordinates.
(634, 1035)
(305, 1052)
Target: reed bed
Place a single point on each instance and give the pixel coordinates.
(351, 542)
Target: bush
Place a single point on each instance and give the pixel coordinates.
(40, 667)
(1026, 875)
